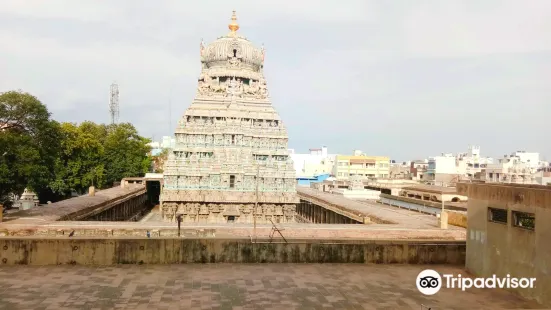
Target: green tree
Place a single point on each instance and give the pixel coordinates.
(126, 153)
(99, 131)
(29, 144)
(80, 163)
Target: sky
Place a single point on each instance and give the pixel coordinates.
(407, 79)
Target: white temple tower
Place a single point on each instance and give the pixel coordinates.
(231, 146)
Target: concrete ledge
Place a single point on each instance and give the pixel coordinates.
(529, 195)
(100, 251)
(432, 204)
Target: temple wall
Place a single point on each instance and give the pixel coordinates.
(174, 251)
(502, 247)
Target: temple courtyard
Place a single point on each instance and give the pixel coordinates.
(238, 286)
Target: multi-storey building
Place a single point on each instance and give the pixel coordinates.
(230, 162)
(508, 170)
(400, 170)
(448, 168)
(361, 165)
(519, 167)
(317, 162)
(417, 169)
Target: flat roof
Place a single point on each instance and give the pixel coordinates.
(432, 189)
(60, 209)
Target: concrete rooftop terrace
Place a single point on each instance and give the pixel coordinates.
(75, 207)
(391, 216)
(238, 286)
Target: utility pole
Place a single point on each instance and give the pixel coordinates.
(256, 200)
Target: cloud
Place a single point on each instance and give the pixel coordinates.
(401, 78)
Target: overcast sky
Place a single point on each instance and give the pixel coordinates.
(408, 79)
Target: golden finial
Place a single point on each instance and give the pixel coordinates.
(234, 26)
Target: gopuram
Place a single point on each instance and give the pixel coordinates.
(230, 162)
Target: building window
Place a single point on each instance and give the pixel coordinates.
(232, 181)
(497, 215)
(524, 220)
(231, 219)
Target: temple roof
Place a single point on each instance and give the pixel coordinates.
(232, 46)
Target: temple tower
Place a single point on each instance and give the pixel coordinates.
(230, 162)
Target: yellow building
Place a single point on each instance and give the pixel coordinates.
(362, 165)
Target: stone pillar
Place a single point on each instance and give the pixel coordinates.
(444, 220)
(318, 214)
(315, 214)
(92, 191)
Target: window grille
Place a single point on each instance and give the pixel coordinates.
(524, 220)
(497, 215)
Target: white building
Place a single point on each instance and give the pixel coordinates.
(519, 167)
(418, 169)
(316, 162)
(532, 159)
(168, 142)
(449, 168)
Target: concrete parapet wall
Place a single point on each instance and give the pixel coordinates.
(531, 195)
(174, 251)
(424, 202)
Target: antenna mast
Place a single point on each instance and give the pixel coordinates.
(114, 103)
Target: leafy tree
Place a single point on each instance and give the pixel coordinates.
(53, 160)
(29, 144)
(80, 163)
(125, 153)
(99, 131)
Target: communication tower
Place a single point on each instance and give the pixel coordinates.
(114, 103)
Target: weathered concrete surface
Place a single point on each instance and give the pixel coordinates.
(447, 205)
(78, 207)
(238, 286)
(338, 204)
(95, 251)
(502, 248)
(360, 210)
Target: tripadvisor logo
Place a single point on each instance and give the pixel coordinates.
(429, 282)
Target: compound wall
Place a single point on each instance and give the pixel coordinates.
(91, 251)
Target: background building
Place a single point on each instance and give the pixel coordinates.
(400, 170)
(448, 169)
(519, 167)
(315, 163)
(362, 165)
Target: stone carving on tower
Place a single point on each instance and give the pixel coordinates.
(230, 162)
